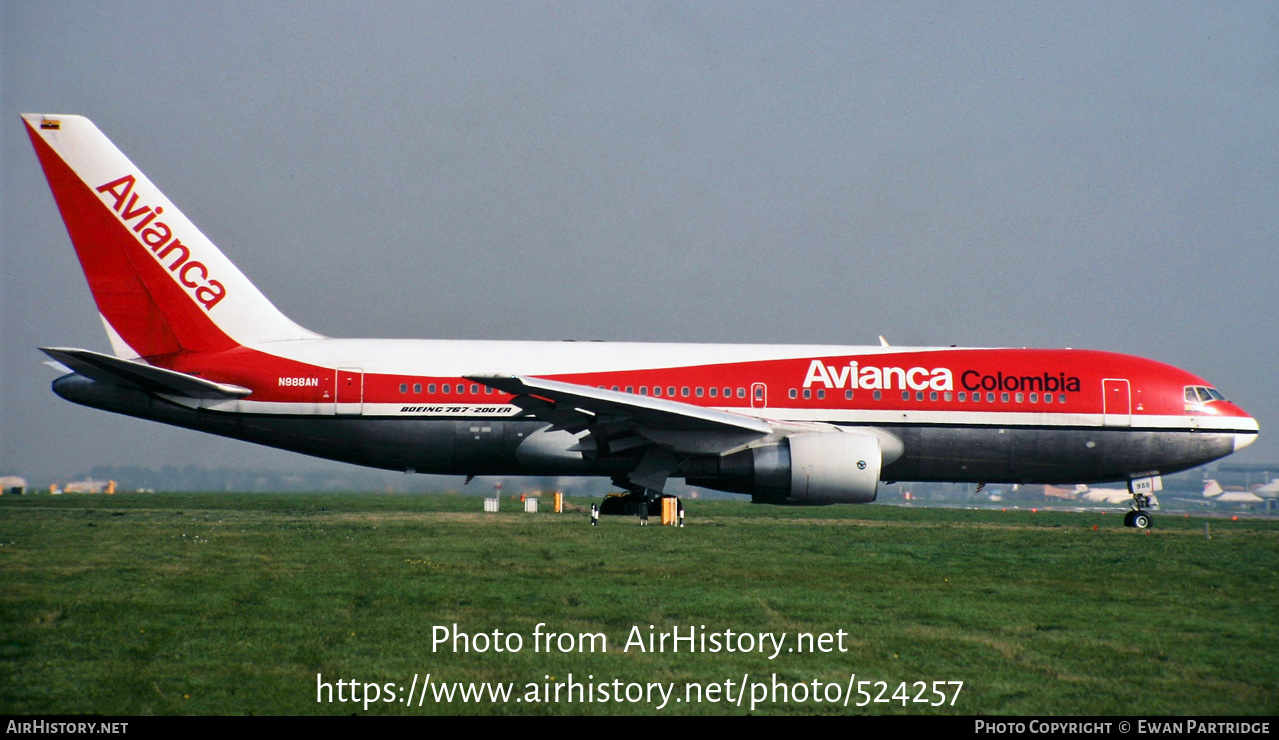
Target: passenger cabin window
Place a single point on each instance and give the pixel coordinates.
(404, 387)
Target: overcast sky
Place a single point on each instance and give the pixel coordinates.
(988, 174)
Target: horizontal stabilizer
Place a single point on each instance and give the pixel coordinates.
(109, 369)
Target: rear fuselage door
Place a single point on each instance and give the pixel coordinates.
(349, 394)
(1116, 403)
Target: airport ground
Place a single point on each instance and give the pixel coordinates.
(139, 604)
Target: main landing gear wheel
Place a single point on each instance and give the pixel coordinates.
(623, 504)
(631, 503)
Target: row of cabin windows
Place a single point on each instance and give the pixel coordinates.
(715, 392)
(945, 396)
(446, 388)
(670, 391)
(683, 391)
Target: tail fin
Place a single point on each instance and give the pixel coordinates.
(160, 285)
(1212, 488)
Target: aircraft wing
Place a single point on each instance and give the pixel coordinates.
(110, 369)
(621, 421)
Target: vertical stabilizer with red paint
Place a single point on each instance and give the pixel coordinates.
(161, 286)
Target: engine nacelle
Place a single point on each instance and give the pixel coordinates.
(834, 468)
(803, 469)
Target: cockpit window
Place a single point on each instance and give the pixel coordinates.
(1200, 394)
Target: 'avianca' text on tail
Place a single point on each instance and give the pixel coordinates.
(196, 345)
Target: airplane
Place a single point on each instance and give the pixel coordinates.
(196, 345)
(1268, 491)
(1214, 492)
(1106, 495)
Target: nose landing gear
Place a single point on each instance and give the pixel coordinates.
(1139, 518)
(1143, 497)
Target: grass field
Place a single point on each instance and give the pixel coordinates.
(232, 603)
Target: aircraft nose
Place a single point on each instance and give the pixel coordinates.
(1245, 426)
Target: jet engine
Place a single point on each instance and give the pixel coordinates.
(803, 469)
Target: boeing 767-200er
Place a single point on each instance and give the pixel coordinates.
(196, 345)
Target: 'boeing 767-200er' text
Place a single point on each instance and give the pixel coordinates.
(196, 345)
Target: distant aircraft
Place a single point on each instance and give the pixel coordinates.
(1103, 495)
(1269, 490)
(1219, 495)
(196, 345)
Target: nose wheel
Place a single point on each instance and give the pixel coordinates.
(1138, 518)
